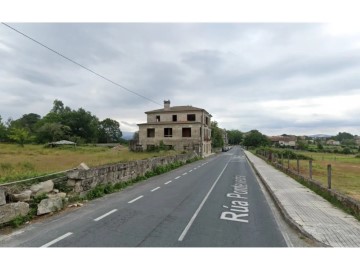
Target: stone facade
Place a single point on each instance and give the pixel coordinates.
(180, 128)
(82, 180)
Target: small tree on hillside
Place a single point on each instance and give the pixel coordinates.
(20, 136)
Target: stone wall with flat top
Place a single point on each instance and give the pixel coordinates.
(83, 179)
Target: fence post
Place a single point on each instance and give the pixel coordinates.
(282, 160)
(298, 165)
(329, 175)
(310, 168)
(288, 162)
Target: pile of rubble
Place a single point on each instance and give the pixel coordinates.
(17, 204)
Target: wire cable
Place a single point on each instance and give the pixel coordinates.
(78, 64)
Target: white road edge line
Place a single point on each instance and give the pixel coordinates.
(272, 207)
(57, 239)
(154, 189)
(177, 177)
(167, 182)
(105, 215)
(200, 206)
(138, 198)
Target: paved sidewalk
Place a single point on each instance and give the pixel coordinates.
(310, 213)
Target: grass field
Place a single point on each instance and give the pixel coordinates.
(345, 171)
(33, 160)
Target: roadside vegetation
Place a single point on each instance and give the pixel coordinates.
(345, 171)
(345, 168)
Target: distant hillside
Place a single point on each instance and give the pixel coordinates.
(127, 135)
(320, 136)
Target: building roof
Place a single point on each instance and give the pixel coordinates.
(177, 109)
(62, 142)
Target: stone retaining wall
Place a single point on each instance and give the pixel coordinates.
(84, 179)
(14, 201)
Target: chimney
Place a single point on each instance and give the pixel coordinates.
(166, 105)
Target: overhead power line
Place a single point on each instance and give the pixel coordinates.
(80, 65)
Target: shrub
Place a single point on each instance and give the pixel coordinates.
(96, 192)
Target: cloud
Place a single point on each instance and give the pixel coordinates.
(271, 77)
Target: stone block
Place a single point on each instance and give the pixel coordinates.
(21, 197)
(11, 210)
(83, 166)
(2, 197)
(50, 205)
(43, 187)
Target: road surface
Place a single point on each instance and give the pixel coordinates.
(215, 202)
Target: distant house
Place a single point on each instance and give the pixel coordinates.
(332, 142)
(285, 141)
(179, 127)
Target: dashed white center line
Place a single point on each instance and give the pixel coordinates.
(105, 215)
(184, 173)
(167, 182)
(57, 239)
(195, 168)
(154, 189)
(136, 199)
(183, 234)
(190, 170)
(177, 177)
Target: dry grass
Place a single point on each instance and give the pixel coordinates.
(33, 160)
(345, 171)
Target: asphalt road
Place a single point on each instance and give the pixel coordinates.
(215, 202)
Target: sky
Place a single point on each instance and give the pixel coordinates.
(293, 78)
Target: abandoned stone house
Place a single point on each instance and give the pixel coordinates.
(179, 128)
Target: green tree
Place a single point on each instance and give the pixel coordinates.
(3, 131)
(28, 121)
(348, 142)
(343, 136)
(255, 139)
(58, 107)
(320, 146)
(216, 135)
(109, 131)
(234, 136)
(302, 144)
(20, 136)
(84, 127)
(52, 132)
